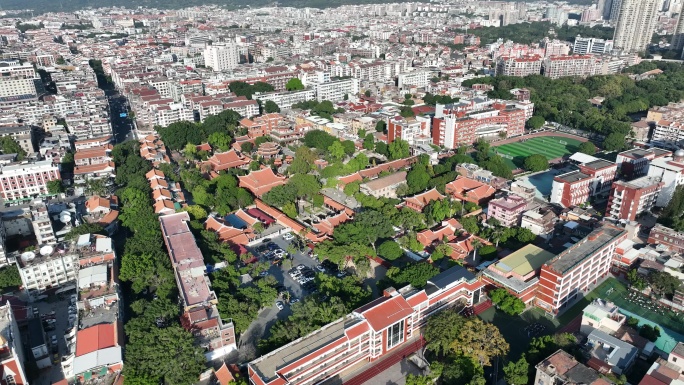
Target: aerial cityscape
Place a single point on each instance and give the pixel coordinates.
(347, 192)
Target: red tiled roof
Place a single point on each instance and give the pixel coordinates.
(95, 338)
(223, 375)
(385, 312)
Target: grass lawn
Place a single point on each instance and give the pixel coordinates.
(551, 147)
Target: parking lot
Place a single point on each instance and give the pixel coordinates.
(54, 308)
(260, 328)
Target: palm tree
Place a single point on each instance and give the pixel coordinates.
(475, 244)
(496, 236)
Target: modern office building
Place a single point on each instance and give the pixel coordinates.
(382, 327)
(591, 45)
(636, 23)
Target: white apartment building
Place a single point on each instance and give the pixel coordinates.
(39, 272)
(16, 87)
(336, 90)
(591, 45)
(26, 180)
(668, 131)
(287, 99)
(42, 226)
(636, 23)
(670, 170)
(419, 79)
(569, 65)
(11, 68)
(221, 57)
(519, 66)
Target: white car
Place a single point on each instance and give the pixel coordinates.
(279, 305)
(288, 236)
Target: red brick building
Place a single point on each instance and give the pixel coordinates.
(455, 128)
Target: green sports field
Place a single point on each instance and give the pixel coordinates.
(551, 147)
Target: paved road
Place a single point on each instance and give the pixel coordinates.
(120, 126)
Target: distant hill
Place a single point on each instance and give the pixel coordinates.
(74, 5)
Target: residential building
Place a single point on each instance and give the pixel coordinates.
(200, 315)
(667, 238)
(592, 45)
(335, 91)
(51, 268)
(561, 368)
(42, 225)
(636, 23)
(389, 324)
(556, 67)
(26, 180)
(470, 190)
(286, 99)
(518, 272)
(410, 130)
(98, 353)
(677, 43)
(419, 79)
(93, 155)
(577, 269)
(94, 171)
(668, 131)
(602, 315)
(609, 353)
(12, 356)
(23, 135)
(385, 186)
(541, 222)
(628, 199)
(221, 57)
(670, 170)
(519, 66)
(262, 181)
(635, 162)
(507, 210)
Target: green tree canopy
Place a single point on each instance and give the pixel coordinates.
(294, 84)
(398, 149)
(587, 148)
(270, 107)
(390, 250)
(480, 341)
(614, 142)
(515, 372)
(536, 162)
(535, 122)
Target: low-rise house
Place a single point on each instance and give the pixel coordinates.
(94, 171)
(98, 353)
(385, 186)
(541, 222)
(602, 315)
(418, 202)
(609, 353)
(561, 368)
(470, 190)
(447, 228)
(507, 210)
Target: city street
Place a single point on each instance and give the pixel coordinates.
(121, 127)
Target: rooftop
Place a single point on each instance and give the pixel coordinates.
(524, 261)
(389, 180)
(643, 182)
(573, 176)
(586, 248)
(267, 365)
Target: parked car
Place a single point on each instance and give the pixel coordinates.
(294, 300)
(279, 305)
(301, 266)
(266, 240)
(53, 339)
(320, 268)
(288, 236)
(263, 274)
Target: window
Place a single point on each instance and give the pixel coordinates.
(10, 380)
(395, 334)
